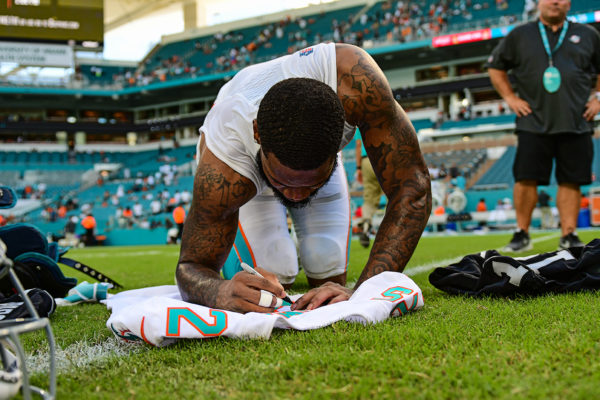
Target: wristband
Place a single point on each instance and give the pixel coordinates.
(358, 167)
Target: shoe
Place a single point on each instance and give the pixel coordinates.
(364, 239)
(570, 240)
(519, 242)
(362, 230)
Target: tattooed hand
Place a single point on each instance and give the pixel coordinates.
(241, 294)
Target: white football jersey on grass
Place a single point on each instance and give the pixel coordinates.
(158, 315)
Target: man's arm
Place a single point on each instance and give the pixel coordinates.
(502, 85)
(208, 235)
(592, 106)
(393, 149)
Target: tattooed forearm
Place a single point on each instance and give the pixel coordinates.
(210, 228)
(405, 179)
(401, 229)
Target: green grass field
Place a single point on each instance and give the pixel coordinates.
(455, 347)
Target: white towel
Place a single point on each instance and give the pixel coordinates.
(158, 316)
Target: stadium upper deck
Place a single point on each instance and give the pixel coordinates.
(444, 88)
(210, 52)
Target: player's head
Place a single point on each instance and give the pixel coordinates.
(553, 11)
(299, 126)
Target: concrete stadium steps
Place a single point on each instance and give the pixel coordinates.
(500, 173)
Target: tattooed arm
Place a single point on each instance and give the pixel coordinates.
(208, 236)
(393, 149)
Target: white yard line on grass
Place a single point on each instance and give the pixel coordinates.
(80, 355)
(132, 253)
(442, 263)
(427, 267)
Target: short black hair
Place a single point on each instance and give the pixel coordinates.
(301, 121)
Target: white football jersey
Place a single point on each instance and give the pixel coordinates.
(159, 316)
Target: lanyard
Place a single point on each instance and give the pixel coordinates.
(563, 33)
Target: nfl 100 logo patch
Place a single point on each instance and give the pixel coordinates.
(306, 51)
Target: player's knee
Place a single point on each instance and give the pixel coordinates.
(281, 259)
(322, 257)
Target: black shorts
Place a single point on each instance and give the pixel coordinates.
(574, 154)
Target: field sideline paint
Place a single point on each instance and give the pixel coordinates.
(80, 355)
(435, 264)
(133, 253)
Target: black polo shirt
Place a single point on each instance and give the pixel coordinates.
(577, 59)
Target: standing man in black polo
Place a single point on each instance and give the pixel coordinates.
(555, 65)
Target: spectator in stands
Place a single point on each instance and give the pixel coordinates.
(177, 197)
(443, 173)
(62, 211)
(554, 120)
(481, 206)
(70, 227)
(371, 192)
(434, 171)
(547, 219)
(89, 224)
(156, 207)
(498, 214)
(172, 234)
(286, 122)
(138, 210)
(170, 205)
(186, 196)
(440, 211)
(144, 223)
(41, 189)
(27, 191)
(179, 219)
(128, 217)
